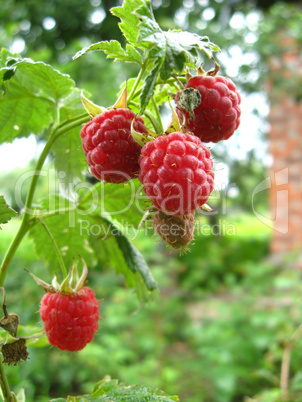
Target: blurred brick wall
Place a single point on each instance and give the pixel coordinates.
(286, 149)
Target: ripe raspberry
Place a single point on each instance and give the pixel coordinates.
(70, 321)
(218, 114)
(110, 150)
(176, 231)
(176, 171)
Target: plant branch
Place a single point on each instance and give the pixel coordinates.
(136, 83)
(34, 181)
(156, 125)
(72, 119)
(7, 394)
(71, 124)
(54, 212)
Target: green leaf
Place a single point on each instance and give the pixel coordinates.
(68, 230)
(129, 21)
(44, 79)
(91, 108)
(172, 50)
(31, 94)
(124, 203)
(162, 93)
(114, 50)
(69, 158)
(148, 88)
(6, 73)
(115, 250)
(111, 391)
(104, 386)
(6, 212)
(134, 54)
(133, 258)
(33, 341)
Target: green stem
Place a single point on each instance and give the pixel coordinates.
(58, 252)
(156, 125)
(157, 114)
(170, 81)
(7, 394)
(73, 123)
(56, 212)
(136, 83)
(28, 222)
(34, 181)
(72, 119)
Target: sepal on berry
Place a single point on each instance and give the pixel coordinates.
(175, 123)
(122, 100)
(91, 108)
(142, 138)
(71, 284)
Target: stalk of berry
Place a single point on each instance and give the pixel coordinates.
(69, 311)
(209, 106)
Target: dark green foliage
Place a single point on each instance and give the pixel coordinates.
(108, 389)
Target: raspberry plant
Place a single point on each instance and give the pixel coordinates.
(126, 142)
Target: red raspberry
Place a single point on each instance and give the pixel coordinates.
(218, 115)
(176, 171)
(70, 321)
(109, 147)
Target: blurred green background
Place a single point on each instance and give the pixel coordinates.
(225, 313)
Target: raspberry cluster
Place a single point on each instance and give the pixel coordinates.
(70, 321)
(175, 168)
